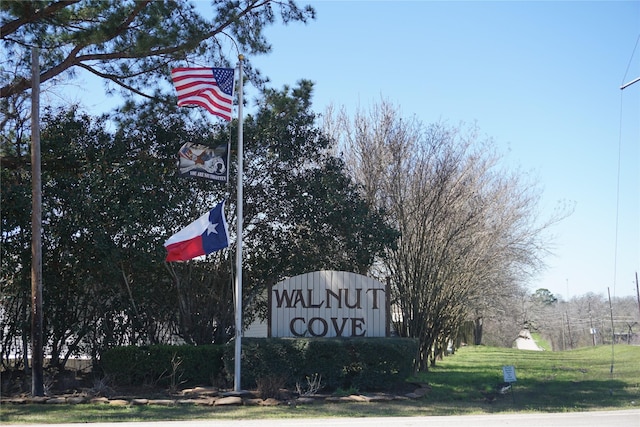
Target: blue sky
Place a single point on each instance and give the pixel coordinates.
(541, 78)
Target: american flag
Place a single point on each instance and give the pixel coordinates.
(211, 88)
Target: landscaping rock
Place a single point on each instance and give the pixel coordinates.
(271, 402)
(162, 402)
(201, 391)
(228, 401)
(380, 398)
(184, 402)
(211, 396)
(339, 399)
(209, 401)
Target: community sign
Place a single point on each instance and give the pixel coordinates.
(329, 304)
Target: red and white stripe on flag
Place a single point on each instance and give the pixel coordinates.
(211, 88)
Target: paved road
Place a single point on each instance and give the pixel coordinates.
(626, 418)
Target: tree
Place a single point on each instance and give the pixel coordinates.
(466, 227)
(585, 320)
(103, 214)
(502, 318)
(131, 44)
(495, 314)
(111, 198)
(302, 210)
(544, 297)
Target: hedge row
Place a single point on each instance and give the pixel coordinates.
(163, 364)
(361, 363)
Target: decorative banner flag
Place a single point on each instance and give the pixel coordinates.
(207, 234)
(204, 162)
(211, 88)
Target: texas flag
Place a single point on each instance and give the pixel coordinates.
(207, 234)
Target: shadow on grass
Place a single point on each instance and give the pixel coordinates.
(547, 394)
(577, 395)
(91, 413)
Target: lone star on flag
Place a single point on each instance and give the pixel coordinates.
(212, 228)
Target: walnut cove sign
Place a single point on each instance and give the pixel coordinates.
(329, 304)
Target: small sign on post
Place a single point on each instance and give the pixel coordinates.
(509, 375)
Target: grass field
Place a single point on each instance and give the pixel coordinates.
(546, 381)
(465, 383)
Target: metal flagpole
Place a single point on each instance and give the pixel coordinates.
(238, 290)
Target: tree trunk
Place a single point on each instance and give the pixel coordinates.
(477, 332)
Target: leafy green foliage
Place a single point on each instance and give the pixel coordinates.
(302, 210)
(366, 364)
(155, 365)
(105, 216)
(544, 296)
(130, 43)
(111, 198)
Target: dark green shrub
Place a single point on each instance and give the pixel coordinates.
(164, 365)
(265, 357)
(362, 363)
(343, 363)
(377, 364)
(125, 365)
(326, 357)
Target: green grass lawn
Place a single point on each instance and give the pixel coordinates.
(546, 381)
(465, 383)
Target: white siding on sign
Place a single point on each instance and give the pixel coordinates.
(257, 329)
(328, 303)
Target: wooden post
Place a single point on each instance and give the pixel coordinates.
(37, 377)
(637, 291)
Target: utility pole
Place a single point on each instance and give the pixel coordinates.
(637, 291)
(569, 331)
(564, 342)
(37, 371)
(592, 330)
(613, 333)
